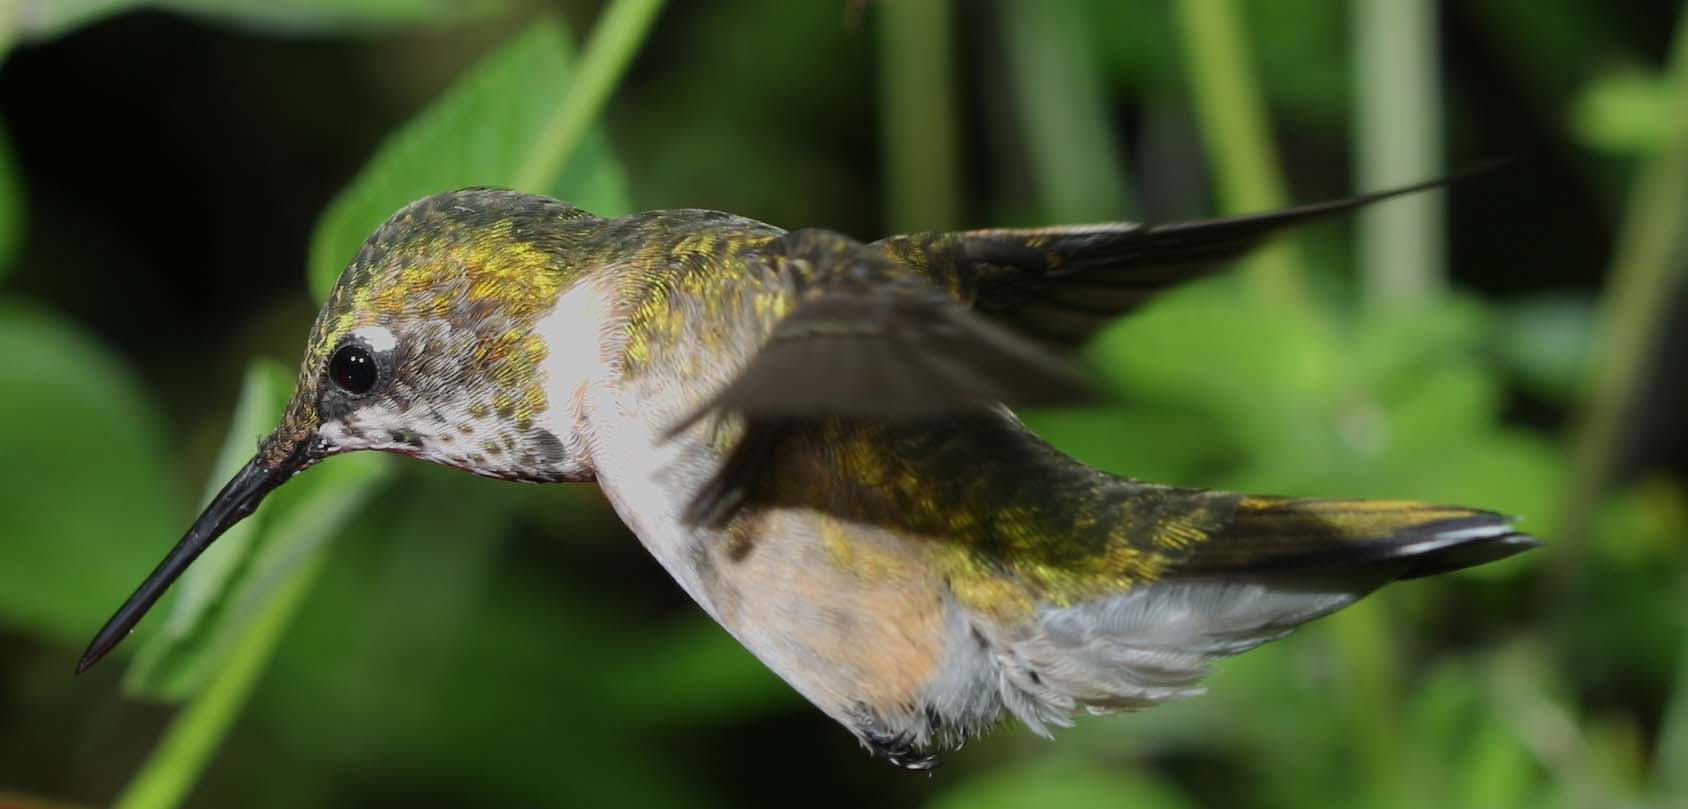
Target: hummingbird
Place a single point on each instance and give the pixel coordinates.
(815, 437)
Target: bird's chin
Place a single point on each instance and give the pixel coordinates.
(473, 465)
(486, 448)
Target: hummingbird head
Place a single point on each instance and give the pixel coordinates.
(426, 346)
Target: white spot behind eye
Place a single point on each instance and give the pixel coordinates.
(377, 338)
(574, 351)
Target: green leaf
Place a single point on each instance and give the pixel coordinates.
(483, 131)
(1627, 113)
(1467, 754)
(297, 521)
(1062, 784)
(1496, 769)
(262, 398)
(28, 20)
(85, 484)
(313, 16)
(1211, 348)
(1165, 445)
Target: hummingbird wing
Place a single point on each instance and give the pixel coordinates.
(931, 325)
(1061, 284)
(866, 337)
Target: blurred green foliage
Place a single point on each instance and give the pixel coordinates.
(26, 20)
(198, 591)
(55, 374)
(444, 640)
(11, 211)
(481, 132)
(227, 587)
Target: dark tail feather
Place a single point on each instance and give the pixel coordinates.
(1409, 539)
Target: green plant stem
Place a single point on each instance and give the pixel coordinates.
(167, 776)
(918, 114)
(1062, 113)
(1397, 103)
(614, 39)
(1520, 689)
(1647, 268)
(1237, 138)
(1370, 663)
(1232, 116)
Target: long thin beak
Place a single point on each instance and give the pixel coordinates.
(238, 498)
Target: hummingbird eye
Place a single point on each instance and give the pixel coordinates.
(353, 369)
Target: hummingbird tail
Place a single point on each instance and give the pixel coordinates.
(1279, 563)
(1399, 539)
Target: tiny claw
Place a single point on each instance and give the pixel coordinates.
(900, 752)
(897, 748)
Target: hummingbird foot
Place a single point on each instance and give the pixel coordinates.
(901, 749)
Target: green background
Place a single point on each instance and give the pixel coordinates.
(181, 179)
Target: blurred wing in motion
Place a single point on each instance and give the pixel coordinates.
(868, 338)
(1061, 284)
(885, 331)
(897, 354)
